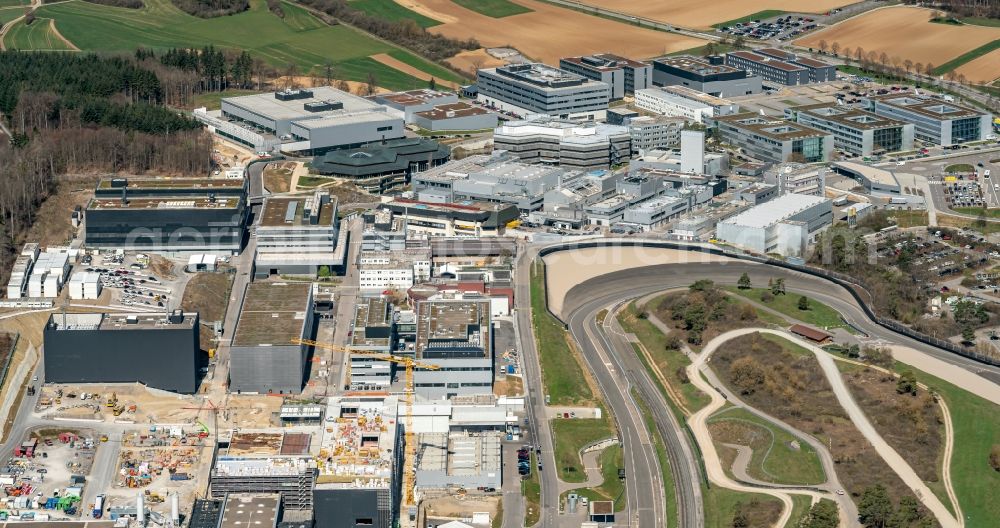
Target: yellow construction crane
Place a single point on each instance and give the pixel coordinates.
(409, 469)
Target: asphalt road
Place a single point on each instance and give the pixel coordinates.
(637, 282)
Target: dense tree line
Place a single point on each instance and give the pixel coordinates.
(964, 8)
(406, 33)
(216, 70)
(212, 8)
(275, 7)
(130, 4)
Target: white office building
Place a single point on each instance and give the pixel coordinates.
(681, 101)
(785, 225)
(936, 121)
(536, 88)
(393, 270)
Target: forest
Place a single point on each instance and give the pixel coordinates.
(406, 33)
(212, 8)
(129, 4)
(73, 114)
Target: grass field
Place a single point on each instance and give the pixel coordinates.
(966, 57)
(435, 70)
(976, 423)
(979, 211)
(774, 459)
(531, 488)
(611, 460)
(389, 10)
(14, 3)
(570, 435)
(494, 8)
(38, 36)
(299, 38)
(818, 313)
(6, 15)
(760, 15)
(721, 504)
(562, 375)
(979, 21)
(213, 100)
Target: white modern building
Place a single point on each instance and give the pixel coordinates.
(536, 88)
(854, 130)
(624, 76)
(681, 101)
(936, 121)
(774, 140)
(311, 120)
(785, 225)
(874, 179)
(654, 132)
(299, 236)
(85, 285)
(393, 270)
(552, 141)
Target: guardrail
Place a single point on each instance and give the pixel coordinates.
(850, 284)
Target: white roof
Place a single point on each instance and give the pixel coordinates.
(873, 174)
(774, 211)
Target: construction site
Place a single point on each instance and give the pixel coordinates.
(48, 473)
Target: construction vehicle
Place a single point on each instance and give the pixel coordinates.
(112, 400)
(409, 462)
(211, 353)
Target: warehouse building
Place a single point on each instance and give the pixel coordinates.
(263, 358)
(874, 179)
(266, 462)
(683, 102)
(455, 117)
(552, 141)
(382, 167)
(309, 121)
(457, 337)
(936, 121)
(459, 460)
(854, 130)
(410, 102)
(497, 178)
(819, 71)
(536, 88)
(360, 464)
(299, 236)
(374, 331)
(156, 349)
(785, 225)
(653, 213)
(467, 219)
(774, 140)
(624, 76)
(708, 75)
(168, 214)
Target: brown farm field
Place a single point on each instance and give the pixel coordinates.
(985, 69)
(548, 32)
(701, 14)
(906, 33)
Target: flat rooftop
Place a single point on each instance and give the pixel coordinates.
(770, 61)
(544, 125)
(848, 116)
(872, 174)
(255, 467)
(266, 104)
(777, 129)
(273, 313)
(695, 95)
(119, 321)
(452, 111)
(172, 183)
(292, 212)
(163, 203)
(697, 65)
(250, 511)
(414, 206)
(460, 454)
(655, 204)
(603, 62)
(542, 76)
(360, 444)
(447, 329)
(266, 444)
(774, 211)
(413, 97)
(933, 108)
(371, 312)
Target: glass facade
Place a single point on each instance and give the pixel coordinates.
(887, 139)
(965, 130)
(810, 148)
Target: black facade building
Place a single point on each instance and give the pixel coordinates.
(168, 214)
(155, 349)
(385, 166)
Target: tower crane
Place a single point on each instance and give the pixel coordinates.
(409, 364)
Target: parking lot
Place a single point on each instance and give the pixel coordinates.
(136, 280)
(781, 28)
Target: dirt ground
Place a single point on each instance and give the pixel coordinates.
(397, 64)
(549, 32)
(509, 386)
(907, 33)
(472, 60)
(460, 507)
(278, 177)
(911, 424)
(985, 69)
(701, 14)
(52, 224)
